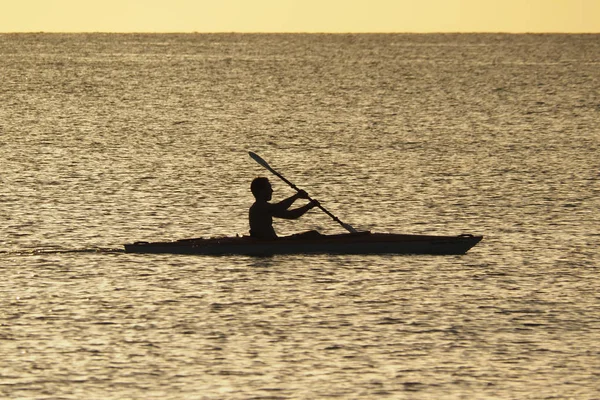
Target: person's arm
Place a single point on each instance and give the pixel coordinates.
(283, 205)
(296, 212)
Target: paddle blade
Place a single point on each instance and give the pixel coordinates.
(348, 228)
(259, 160)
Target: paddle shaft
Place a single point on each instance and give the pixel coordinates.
(262, 162)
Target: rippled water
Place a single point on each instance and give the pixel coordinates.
(108, 139)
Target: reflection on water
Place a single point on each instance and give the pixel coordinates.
(108, 139)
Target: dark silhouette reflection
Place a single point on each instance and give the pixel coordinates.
(262, 212)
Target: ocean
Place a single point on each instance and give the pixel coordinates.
(108, 139)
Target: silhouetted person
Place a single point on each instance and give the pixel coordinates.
(262, 212)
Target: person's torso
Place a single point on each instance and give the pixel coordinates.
(261, 221)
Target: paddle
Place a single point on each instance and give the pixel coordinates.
(262, 162)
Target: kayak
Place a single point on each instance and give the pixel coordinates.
(348, 243)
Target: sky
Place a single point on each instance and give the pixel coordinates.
(515, 16)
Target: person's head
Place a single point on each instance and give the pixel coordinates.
(261, 189)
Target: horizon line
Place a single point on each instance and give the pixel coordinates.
(313, 32)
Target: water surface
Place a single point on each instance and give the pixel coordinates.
(108, 138)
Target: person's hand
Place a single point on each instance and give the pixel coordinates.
(315, 203)
(302, 194)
